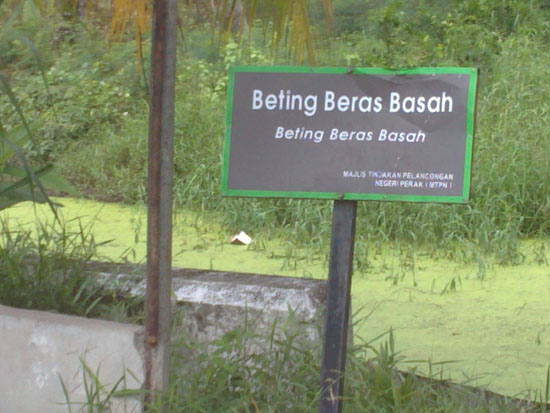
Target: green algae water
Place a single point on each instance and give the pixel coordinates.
(481, 324)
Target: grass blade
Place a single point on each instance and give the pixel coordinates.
(65, 392)
(31, 176)
(5, 87)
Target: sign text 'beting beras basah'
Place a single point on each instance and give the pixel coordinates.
(377, 135)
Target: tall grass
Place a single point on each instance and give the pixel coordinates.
(226, 376)
(511, 180)
(44, 268)
(510, 183)
(231, 374)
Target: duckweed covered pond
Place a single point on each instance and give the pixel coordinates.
(481, 324)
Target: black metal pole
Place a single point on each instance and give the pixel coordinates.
(159, 202)
(338, 306)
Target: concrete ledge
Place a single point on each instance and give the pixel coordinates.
(212, 303)
(39, 350)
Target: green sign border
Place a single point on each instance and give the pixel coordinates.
(352, 196)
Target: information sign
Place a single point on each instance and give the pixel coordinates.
(353, 134)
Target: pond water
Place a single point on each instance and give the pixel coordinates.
(481, 324)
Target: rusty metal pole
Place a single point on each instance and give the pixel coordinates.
(159, 194)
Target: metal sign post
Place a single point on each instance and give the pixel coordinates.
(159, 192)
(347, 135)
(338, 305)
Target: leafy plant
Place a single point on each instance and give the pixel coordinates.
(18, 181)
(21, 182)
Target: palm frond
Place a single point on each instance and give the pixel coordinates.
(127, 11)
(285, 22)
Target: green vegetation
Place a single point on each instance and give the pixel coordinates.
(18, 180)
(489, 319)
(227, 376)
(93, 124)
(88, 114)
(43, 268)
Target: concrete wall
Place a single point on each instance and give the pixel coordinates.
(39, 351)
(209, 304)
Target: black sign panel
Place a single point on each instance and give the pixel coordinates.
(362, 134)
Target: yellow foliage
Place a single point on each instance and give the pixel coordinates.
(285, 20)
(125, 11)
